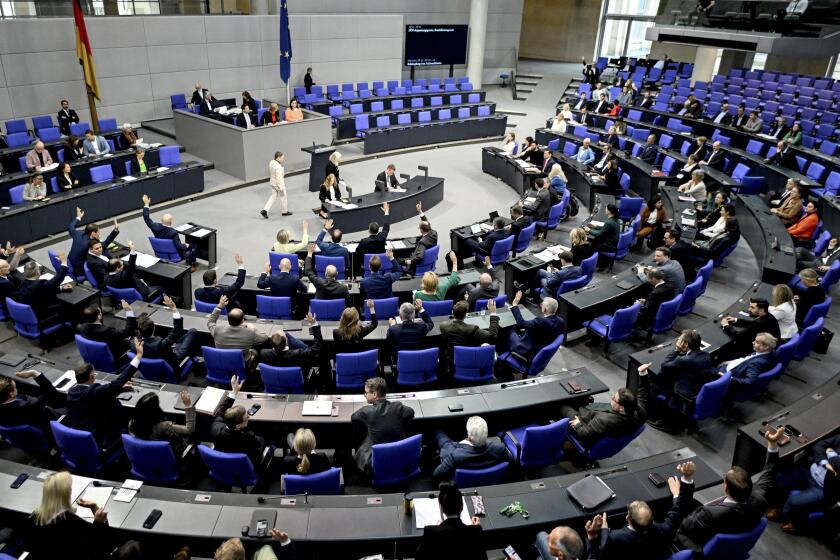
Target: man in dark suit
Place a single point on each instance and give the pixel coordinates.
(643, 537)
(93, 329)
(384, 420)
(745, 370)
(97, 261)
(779, 128)
(473, 453)
(428, 239)
(723, 116)
(452, 538)
(284, 284)
(288, 351)
(458, 333)
(164, 230)
(542, 206)
(378, 284)
(18, 410)
(333, 249)
(519, 222)
(40, 294)
(538, 332)
(94, 407)
(810, 294)
(485, 246)
(660, 293)
(374, 243)
(784, 157)
(645, 101)
(741, 508)
(211, 292)
(695, 107)
(9, 283)
(585, 118)
(488, 286)
(602, 105)
(123, 276)
(548, 162)
(583, 101)
(249, 119)
(744, 330)
(649, 151)
(229, 430)
(550, 280)
(623, 416)
(387, 180)
(562, 544)
(308, 82)
(408, 334)
(327, 287)
(715, 159)
(66, 117)
(680, 252)
(206, 108)
(81, 240)
(176, 346)
(740, 117)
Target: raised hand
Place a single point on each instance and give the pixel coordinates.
(267, 268)
(125, 305)
(236, 384)
(237, 258)
(26, 374)
(687, 469)
(138, 347)
(491, 306)
(79, 213)
(130, 246)
(386, 208)
(167, 301)
(310, 318)
(674, 485)
(278, 535)
(310, 249)
(116, 225)
(370, 305)
(418, 305)
(517, 298)
(223, 301)
(146, 200)
(328, 224)
(186, 398)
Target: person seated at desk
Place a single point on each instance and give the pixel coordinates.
(645, 101)
(384, 420)
(128, 138)
(288, 351)
(694, 187)
(585, 118)
(293, 112)
(379, 284)
(775, 199)
(605, 238)
(488, 286)
(283, 243)
(229, 431)
(19, 410)
(66, 117)
(745, 370)
(249, 118)
(794, 135)
(739, 119)
(304, 459)
(330, 191)
(351, 331)
(484, 246)
(272, 116)
(334, 249)
(138, 162)
(743, 330)
(456, 332)
(74, 149)
(615, 109)
(211, 291)
(197, 95)
(408, 334)
(559, 124)
(723, 116)
(649, 151)
(149, 423)
(784, 157)
(585, 155)
(38, 157)
(452, 538)
(779, 129)
(708, 216)
(583, 101)
(566, 111)
(282, 284)
(726, 211)
(54, 528)
(374, 243)
(719, 243)
(699, 148)
(602, 106)
(508, 144)
(715, 159)
(802, 231)
(530, 152)
(609, 142)
(690, 165)
(811, 294)
(805, 258)
(65, 178)
(95, 145)
(41, 294)
(124, 276)
(623, 415)
(627, 96)
(176, 346)
(248, 101)
(542, 206)
(92, 328)
(695, 107)
(94, 407)
(434, 290)
(206, 108)
(790, 208)
(550, 280)
(519, 221)
(35, 189)
(9, 283)
(474, 452)
(233, 549)
(662, 291)
(327, 287)
(643, 537)
(581, 247)
(610, 176)
(79, 247)
(654, 220)
(536, 333)
(237, 334)
(620, 126)
(164, 230)
(387, 179)
(428, 238)
(548, 163)
(813, 484)
(783, 308)
(752, 124)
(599, 90)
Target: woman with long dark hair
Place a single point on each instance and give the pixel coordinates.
(150, 423)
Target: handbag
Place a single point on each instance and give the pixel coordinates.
(823, 340)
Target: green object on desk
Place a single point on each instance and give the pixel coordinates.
(512, 509)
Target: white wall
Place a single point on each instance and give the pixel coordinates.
(141, 61)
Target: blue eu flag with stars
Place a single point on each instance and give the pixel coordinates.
(285, 43)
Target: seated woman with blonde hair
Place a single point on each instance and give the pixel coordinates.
(305, 460)
(432, 289)
(284, 243)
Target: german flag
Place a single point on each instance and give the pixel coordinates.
(84, 50)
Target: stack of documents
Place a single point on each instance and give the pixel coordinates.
(143, 260)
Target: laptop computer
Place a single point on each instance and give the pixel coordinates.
(493, 215)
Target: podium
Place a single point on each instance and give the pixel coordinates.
(320, 156)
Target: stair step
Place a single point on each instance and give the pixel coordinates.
(533, 76)
(508, 112)
(510, 125)
(526, 82)
(524, 90)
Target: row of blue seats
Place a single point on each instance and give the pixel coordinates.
(45, 122)
(403, 119)
(393, 86)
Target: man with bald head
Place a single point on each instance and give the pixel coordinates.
(237, 334)
(333, 249)
(41, 294)
(643, 537)
(283, 284)
(327, 287)
(488, 286)
(649, 151)
(288, 351)
(164, 230)
(563, 543)
(38, 157)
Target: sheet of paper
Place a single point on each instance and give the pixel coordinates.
(351, 247)
(184, 227)
(209, 400)
(161, 169)
(201, 232)
(399, 244)
(125, 495)
(316, 408)
(129, 178)
(311, 288)
(50, 167)
(68, 280)
(144, 260)
(596, 223)
(70, 376)
(47, 276)
(686, 198)
(427, 512)
(530, 199)
(688, 222)
(77, 487)
(155, 144)
(546, 256)
(96, 494)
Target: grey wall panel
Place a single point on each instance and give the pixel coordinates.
(329, 28)
(235, 79)
(174, 30)
(5, 105)
(124, 89)
(2, 74)
(372, 49)
(232, 29)
(40, 99)
(41, 67)
(177, 58)
(129, 113)
(23, 35)
(376, 26)
(167, 83)
(116, 32)
(122, 61)
(233, 55)
(162, 109)
(339, 49)
(300, 27)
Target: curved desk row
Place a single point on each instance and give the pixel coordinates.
(345, 125)
(379, 524)
(29, 221)
(436, 132)
(9, 156)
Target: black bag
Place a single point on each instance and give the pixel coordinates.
(823, 340)
(573, 206)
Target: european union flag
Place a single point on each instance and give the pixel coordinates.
(285, 43)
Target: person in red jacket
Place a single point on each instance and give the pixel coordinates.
(803, 230)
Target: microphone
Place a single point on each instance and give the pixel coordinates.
(40, 359)
(264, 499)
(100, 484)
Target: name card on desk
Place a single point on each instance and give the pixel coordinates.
(161, 169)
(129, 178)
(316, 408)
(399, 244)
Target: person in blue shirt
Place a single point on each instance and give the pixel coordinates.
(552, 279)
(538, 332)
(585, 154)
(378, 284)
(332, 249)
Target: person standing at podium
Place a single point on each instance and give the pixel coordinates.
(276, 178)
(388, 178)
(329, 191)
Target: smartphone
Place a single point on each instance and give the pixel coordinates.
(63, 382)
(152, 519)
(253, 410)
(657, 479)
(262, 528)
(511, 554)
(19, 480)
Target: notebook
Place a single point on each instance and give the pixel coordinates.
(316, 408)
(590, 492)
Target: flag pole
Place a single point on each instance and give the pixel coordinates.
(92, 109)
(288, 98)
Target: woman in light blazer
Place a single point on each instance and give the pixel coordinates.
(276, 178)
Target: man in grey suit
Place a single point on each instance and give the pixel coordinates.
(237, 334)
(458, 333)
(95, 145)
(488, 285)
(384, 420)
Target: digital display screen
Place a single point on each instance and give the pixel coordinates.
(435, 45)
